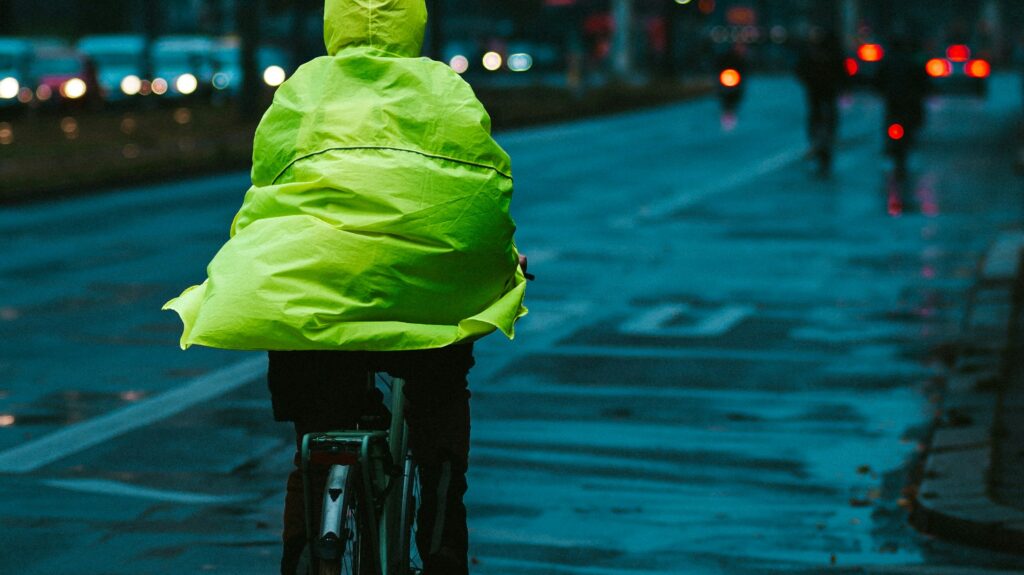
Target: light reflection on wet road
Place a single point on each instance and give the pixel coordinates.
(727, 369)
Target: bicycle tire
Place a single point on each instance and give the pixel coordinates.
(408, 559)
(341, 518)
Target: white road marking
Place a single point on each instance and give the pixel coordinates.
(714, 324)
(1003, 257)
(654, 320)
(77, 437)
(118, 489)
(685, 199)
(505, 565)
(546, 315)
(607, 351)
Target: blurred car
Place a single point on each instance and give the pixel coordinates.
(120, 63)
(62, 77)
(271, 61)
(15, 67)
(959, 70)
(182, 65)
(862, 66)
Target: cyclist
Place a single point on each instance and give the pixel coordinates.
(822, 71)
(376, 235)
(903, 83)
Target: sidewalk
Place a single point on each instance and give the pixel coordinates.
(972, 487)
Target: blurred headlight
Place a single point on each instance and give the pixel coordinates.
(186, 84)
(520, 62)
(159, 86)
(9, 88)
(73, 89)
(131, 85)
(492, 61)
(274, 76)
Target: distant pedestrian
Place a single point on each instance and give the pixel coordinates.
(822, 71)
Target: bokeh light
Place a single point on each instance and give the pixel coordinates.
(459, 63)
(221, 80)
(131, 85)
(73, 89)
(729, 78)
(186, 84)
(938, 68)
(520, 62)
(6, 134)
(9, 88)
(274, 76)
(159, 86)
(182, 116)
(492, 61)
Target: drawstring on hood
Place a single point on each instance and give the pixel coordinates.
(392, 26)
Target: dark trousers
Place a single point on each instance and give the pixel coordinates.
(326, 390)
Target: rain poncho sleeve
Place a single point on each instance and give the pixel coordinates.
(378, 218)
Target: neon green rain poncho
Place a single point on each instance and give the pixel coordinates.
(378, 218)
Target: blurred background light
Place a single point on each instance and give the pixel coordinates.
(492, 61)
(938, 68)
(159, 86)
(520, 62)
(186, 84)
(274, 76)
(131, 85)
(459, 63)
(9, 88)
(221, 80)
(73, 89)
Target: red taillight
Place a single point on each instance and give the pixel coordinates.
(896, 131)
(870, 52)
(938, 68)
(729, 78)
(977, 69)
(851, 67)
(958, 53)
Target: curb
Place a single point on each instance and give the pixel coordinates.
(953, 500)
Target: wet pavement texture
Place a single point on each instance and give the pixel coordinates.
(730, 364)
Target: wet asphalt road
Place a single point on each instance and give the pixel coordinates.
(729, 365)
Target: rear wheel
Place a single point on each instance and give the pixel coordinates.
(339, 545)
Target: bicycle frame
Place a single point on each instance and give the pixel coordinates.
(379, 457)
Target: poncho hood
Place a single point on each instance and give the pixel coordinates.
(392, 26)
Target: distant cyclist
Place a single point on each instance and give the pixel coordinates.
(821, 69)
(376, 235)
(903, 84)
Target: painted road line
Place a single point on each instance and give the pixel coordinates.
(506, 566)
(669, 353)
(77, 437)
(657, 322)
(680, 201)
(118, 489)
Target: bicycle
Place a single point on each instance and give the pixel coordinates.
(368, 522)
